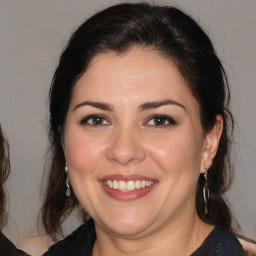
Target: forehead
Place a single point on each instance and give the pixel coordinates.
(136, 69)
(132, 63)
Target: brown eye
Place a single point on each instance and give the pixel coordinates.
(97, 120)
(161, 121)
(94, 120)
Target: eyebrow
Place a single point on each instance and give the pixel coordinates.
(157, 104)
(99, 105)
(145, 106)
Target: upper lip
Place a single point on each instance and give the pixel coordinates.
(126, 177)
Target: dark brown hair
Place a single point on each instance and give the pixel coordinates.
(173, 34)
(4, 172)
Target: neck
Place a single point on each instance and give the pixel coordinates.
(180, 238)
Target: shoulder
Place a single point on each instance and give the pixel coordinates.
(248, 245)
(8, 248)
(82, 239)
(220, 243)
(228, 244)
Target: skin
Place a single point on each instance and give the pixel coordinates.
(128, 140)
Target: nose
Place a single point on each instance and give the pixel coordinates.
(126, 147)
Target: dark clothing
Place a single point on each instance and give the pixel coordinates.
(80, 243)
(220, 243)
(7, 248)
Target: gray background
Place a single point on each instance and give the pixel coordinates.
(32, 35)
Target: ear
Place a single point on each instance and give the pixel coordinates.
(211, 144)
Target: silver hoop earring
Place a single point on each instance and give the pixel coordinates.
(68, 189)
(206, 194)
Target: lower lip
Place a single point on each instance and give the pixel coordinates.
(126, 196)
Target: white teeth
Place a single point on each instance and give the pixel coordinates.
(122, 185)
(130, 185)
(110, 184)
(137, 184)
(115, 184)
(147, 183)
(127, 185)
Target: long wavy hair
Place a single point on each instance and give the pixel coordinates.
(4, 172)
(173, 34)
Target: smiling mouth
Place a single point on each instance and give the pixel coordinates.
(127, 186)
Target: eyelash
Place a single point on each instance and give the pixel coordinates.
(164, 118)
(101, 118)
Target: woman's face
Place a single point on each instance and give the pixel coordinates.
(134, 144)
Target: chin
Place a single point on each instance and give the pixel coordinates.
(129, 225)
(133, 229)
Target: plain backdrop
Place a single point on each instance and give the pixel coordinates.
(32, 36)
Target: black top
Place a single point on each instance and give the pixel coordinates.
(220, 243)
(7, 248)
(80, 243)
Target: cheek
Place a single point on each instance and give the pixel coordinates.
(177, 152)
(83, 155)
(79, 154)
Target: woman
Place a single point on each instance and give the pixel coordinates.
(4, 172)
(6, 246)
(140, 138)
